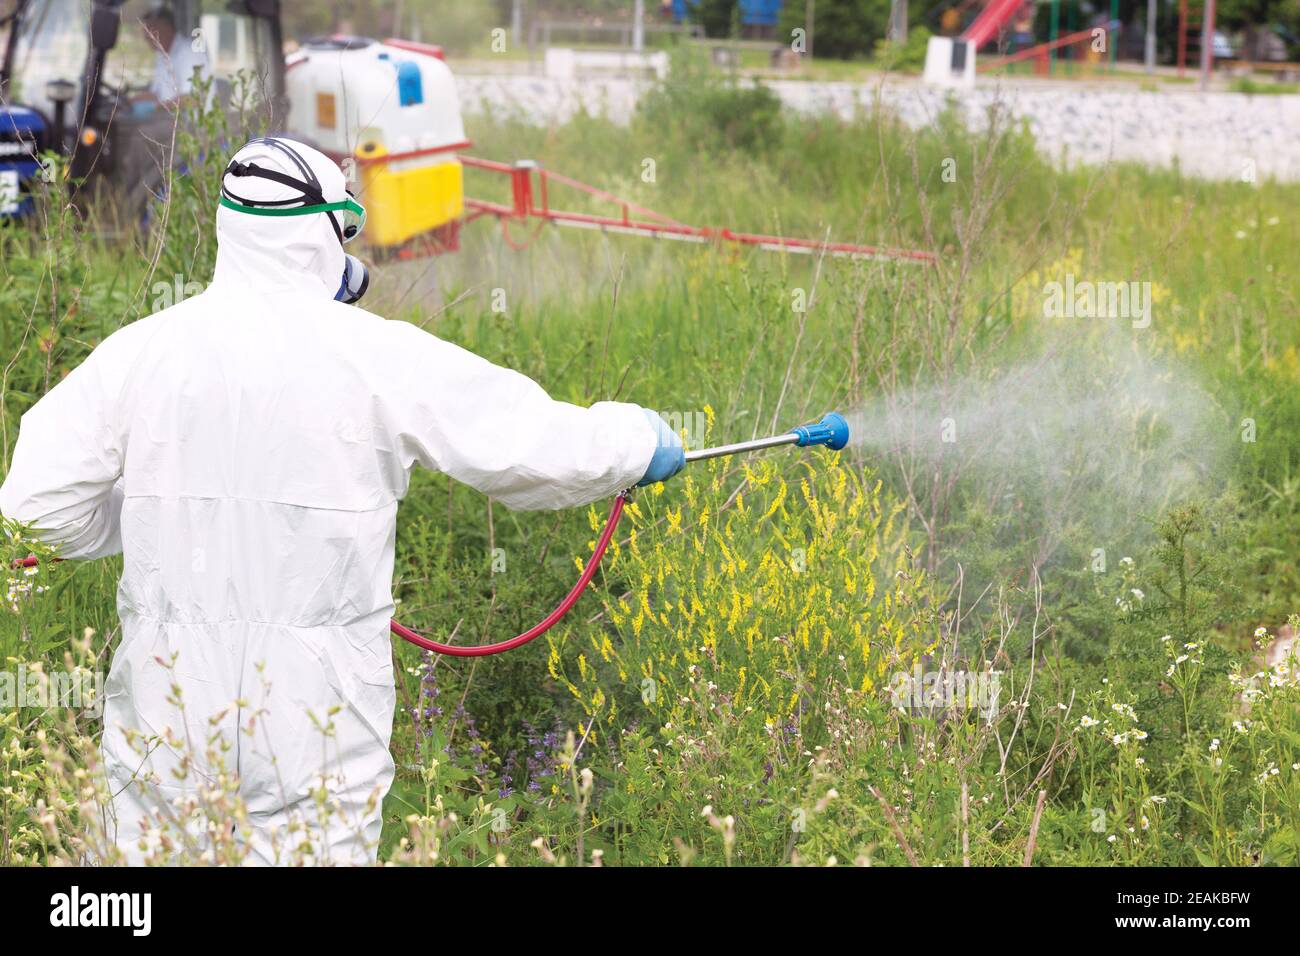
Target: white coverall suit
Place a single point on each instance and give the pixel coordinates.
(245, 450)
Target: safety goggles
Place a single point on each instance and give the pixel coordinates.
(348, 225)
(346, 216)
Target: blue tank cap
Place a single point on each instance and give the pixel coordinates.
(410, 84)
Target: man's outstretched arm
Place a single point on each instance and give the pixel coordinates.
(498, 431)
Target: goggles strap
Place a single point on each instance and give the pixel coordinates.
(310, 200)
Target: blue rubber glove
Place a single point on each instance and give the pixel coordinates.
(669, 457)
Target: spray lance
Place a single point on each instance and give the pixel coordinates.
(832, 431)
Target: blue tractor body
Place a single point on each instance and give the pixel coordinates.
(23, 135)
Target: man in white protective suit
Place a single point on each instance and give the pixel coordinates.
(245, 450)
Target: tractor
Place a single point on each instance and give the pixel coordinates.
(74, 79)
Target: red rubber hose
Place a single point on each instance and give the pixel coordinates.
(537, 630)
(483, 650)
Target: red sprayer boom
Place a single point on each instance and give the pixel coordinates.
(530, 199)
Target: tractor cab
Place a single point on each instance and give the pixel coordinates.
(101, 81)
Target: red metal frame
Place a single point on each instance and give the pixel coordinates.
(990, 20)
(1190, 21)
(529, 204)
(413, 46)
(1039, 52)
(412, 154)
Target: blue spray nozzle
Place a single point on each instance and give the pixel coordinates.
(832, 431)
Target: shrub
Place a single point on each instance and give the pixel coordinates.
(698, 105)
(908, 56)
(841, 28)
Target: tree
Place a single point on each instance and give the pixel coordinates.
(841, 28)
(718, 17)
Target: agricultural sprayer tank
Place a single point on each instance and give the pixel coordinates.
(389, 114)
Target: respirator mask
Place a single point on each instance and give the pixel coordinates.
(356, 280)
(347, 217)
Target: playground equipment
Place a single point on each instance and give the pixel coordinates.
(1041, 53)
(991, 19)
(951, 62)
(1190, 18)
(1196, 20)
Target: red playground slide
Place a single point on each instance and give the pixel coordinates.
(985, 27)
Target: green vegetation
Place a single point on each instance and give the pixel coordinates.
(723, 695)
(1266, 88)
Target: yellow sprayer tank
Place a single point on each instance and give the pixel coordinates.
(388, 112)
